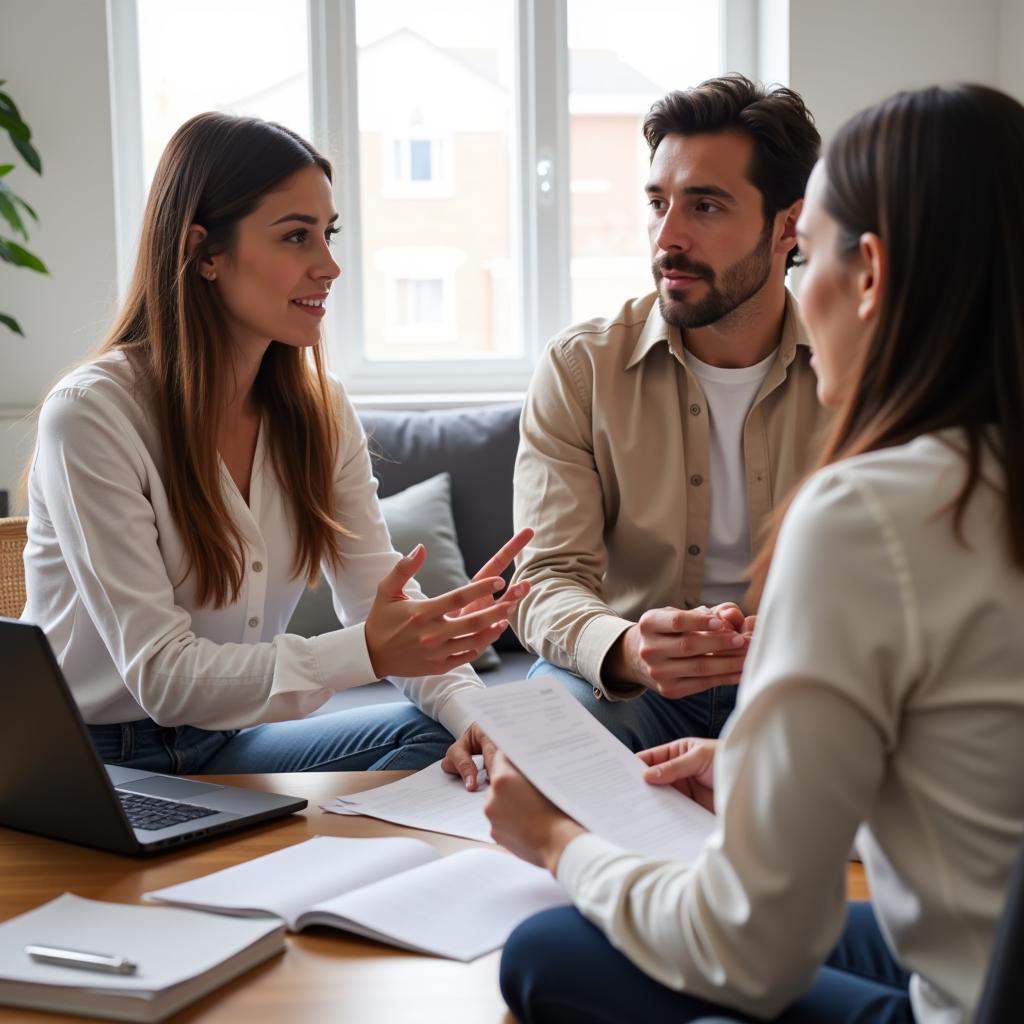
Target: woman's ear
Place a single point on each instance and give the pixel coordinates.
(870, 275)
(194, 238)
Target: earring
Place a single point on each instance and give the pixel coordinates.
(210, 275)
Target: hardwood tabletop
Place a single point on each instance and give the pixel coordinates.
(324, 974)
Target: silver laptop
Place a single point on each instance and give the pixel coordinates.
(52, 782)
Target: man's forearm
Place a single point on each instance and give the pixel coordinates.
(622, 667)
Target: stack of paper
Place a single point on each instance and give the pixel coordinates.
(181, 955)
(431, 800)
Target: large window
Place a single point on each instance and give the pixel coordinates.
(488, 154)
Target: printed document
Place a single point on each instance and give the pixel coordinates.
(431, 800)
(583, 769)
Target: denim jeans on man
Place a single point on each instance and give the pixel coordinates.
(558, 968)
(650, 719)
(377, 737)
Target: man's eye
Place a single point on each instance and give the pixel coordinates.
(705, 207)
(656, 204)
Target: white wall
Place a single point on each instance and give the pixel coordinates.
(844, 56)
(54, 58)
(841, 56)
(1010, 57)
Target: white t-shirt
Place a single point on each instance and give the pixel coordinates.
(105, 565)
(884, 687)
(729, 395)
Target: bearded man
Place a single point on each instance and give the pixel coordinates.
(656, 442)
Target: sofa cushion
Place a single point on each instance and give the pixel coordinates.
(477, 447)
(419, 514)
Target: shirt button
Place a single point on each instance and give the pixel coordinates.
(693, 549)
(257, 567)
(695, 409)
(696, 479)
(254, 622)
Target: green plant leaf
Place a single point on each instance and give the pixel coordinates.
(9, 212)
(11, 252)
(15, 198)
(13, 123)
(27, 150)
(9, 321)
(6, 169)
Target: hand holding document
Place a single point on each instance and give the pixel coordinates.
(431, 800)
(586, 772)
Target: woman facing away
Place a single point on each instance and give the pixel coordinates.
(190, 479)
(885, 684)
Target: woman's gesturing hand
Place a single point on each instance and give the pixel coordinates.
(419, 638)
(687, 764)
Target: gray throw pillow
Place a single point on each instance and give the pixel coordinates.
(421, 513)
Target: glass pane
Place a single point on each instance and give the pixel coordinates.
(419, 160)
(443, 218)
(420, 303)
(236, 56)
(622, 57)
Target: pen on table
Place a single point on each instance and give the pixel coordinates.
(80, 959)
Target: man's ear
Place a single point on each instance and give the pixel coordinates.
(870, 279)
(787, 240)
(194, 238)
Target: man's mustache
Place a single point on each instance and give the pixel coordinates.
(681, 265)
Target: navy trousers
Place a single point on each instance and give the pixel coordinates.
(558, 968)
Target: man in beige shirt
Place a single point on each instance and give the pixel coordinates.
(656, 443)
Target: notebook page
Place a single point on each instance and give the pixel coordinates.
(288, 882)
(431, 799)
(579, 766)
(461, 906)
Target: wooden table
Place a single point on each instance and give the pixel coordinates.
(324, 975)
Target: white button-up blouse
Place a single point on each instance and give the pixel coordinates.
(105, 573)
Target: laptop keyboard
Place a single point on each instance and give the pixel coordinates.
(152, 812)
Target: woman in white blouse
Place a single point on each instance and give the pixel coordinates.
(192, 478)
(885, 684)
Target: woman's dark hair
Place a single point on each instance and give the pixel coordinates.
(215, 170)
(938, 175)
(786, 143)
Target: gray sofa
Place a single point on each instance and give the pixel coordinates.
(476, 447)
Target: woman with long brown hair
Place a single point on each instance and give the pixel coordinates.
(884, 690)
(193, 477)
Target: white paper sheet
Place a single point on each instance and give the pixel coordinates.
(290, 881)
(461, 906)
(431, 799)
(579, 766)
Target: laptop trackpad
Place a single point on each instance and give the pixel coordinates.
(170, 788)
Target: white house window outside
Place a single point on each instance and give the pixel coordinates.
(457, 264)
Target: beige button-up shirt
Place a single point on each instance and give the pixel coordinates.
(614, 474)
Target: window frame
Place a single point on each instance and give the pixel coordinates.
(540, 186)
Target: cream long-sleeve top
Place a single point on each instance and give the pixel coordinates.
(105, 572)
(885, 686)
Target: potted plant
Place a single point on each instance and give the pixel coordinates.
(12, 205)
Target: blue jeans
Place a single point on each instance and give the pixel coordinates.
(377, 737)
(558, 968)
(650, 719)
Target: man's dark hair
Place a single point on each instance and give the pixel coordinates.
(786, 143)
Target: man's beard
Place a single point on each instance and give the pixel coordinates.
(744, 279)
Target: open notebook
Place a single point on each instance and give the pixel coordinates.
(396, 890)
